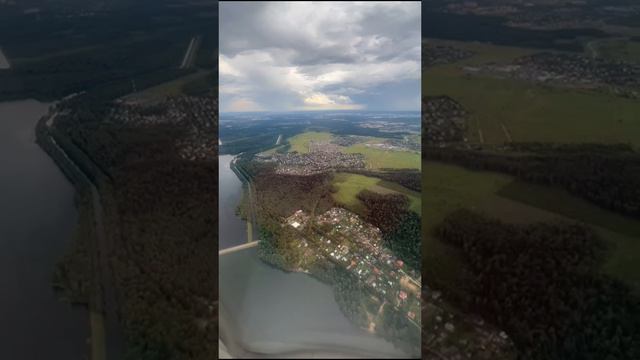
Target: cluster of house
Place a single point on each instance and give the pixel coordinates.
(345, 239)
(196, 115)
(458, 335)
(433, 55)
(545, 14)
(443, 119)
(569, 70)
(313, 162)
(577, 69)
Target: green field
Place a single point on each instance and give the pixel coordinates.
(272, 151)
(449, 187)
(170, 88)
(386, 159)
(349, 185)
(300, 142)
(532, 112)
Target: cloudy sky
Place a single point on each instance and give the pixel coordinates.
(290, 56)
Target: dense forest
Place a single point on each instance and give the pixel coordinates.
(607, 175)
(159, 213)
(401, 228)
(59, 51)
(437, 24)
(166, 260)
(279, 196)
(542, 283)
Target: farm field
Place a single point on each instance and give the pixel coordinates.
(387, 159)
(349, 185)
(449, 187)
(300, 142)
(618, 49)
(272, 151)
(529, 111)
(170, 88)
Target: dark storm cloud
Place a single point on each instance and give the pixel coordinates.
(282, 56)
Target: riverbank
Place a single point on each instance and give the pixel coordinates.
(100, 296)
(153, 192)
(232, 211)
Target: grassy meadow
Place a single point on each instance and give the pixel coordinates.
(300, 142)
(349, 185)
(449, 187)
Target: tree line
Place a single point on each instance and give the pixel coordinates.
(400, 227)
(606, 175)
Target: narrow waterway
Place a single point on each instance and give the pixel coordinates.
(232, 229)
(37, 219)
(270, 312)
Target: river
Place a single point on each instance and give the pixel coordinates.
(232, 229)
(37, 222)
(267, 311)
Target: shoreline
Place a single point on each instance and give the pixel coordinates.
(102, 311)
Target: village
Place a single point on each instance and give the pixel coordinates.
(341, 237)
(452, 335)
(193, 114)
(569, 70)
(433, 55)
(314, 162)
(545, 14)
(444, 120)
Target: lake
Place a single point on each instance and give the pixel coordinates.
(37, 222)
(269, 312)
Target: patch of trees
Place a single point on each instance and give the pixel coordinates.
(607, 175)
(542, 284)
(350, 294)
(279, 196)
(268, 251)
(400, 227)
